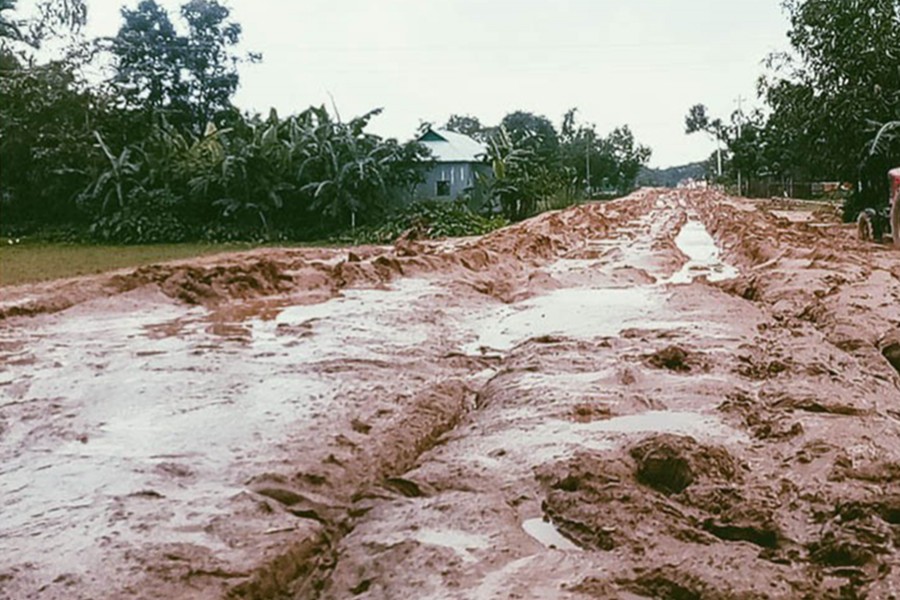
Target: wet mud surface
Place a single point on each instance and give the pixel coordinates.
(673, 395)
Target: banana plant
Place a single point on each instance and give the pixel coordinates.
(244, 172)
(345, 171)
(517, 175)
(112, 184)
(887, 134)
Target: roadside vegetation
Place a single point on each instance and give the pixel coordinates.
(831, 105)
(157, 153)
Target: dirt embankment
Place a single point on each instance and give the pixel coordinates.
(815, 272)
(492, 264)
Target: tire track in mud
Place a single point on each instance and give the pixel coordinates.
(690, 458)
(363, 472)
(287, 532)
(398, 446)
(588, 401)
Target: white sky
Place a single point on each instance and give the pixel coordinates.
(636, 62)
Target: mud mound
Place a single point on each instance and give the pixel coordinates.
(856, 540)
(603, 501)
(548, 234)
(717, 527)
(889, 345)
(670, 463)
(683, 584)
(762, 424)
(675, 358)
(811, 272)
(211, 285)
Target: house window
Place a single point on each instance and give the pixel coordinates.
(443, 188)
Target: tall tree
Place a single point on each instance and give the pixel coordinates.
(611, 162)
(190, 78)
(698, 120)
(466, 125)
(148, 55)
(45, 141)
(837, 88)
(536, 132)
(622, 158)
(10, 27)
(209, 58)
(49, 18)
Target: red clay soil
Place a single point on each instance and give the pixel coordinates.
(595, 403)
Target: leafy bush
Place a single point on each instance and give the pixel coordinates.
(220, 232)
(148, 217)
(45, 144)
(435, 219)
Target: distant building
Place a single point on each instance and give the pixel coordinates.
(693, 184)
(457, 158)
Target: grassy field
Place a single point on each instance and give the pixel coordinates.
(29, 262)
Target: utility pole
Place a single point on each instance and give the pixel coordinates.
(719, 151)
(740, 121)
(587, 162)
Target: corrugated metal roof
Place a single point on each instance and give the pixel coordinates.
(452, 146)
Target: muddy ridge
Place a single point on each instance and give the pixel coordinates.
(313, 275)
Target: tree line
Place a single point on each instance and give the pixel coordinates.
(158, 152)
(534, 164)
(831, 104)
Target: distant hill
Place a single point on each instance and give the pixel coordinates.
(669, 177)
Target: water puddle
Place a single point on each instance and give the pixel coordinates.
(544, 532)
(364, 324)
(663, 421)
(574, 312)
(703, 255)
(461, 542)
(530, 436)
(589, 312)
(601, 434)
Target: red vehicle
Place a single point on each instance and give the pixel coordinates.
(873, 224)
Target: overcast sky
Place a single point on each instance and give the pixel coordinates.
(636, 62)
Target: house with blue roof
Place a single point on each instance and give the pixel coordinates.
(456, 160)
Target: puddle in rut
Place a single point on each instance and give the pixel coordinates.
(703, 255)
(602, 433)
(547, 534)
(461, 542)
(590, 312)
(573, 312)
(521, 438)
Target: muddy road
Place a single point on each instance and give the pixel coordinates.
(673, 395)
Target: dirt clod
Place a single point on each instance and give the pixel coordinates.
(670, 463)
(673, 358)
